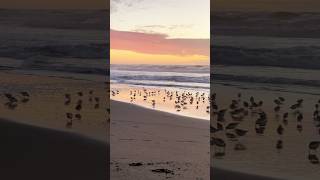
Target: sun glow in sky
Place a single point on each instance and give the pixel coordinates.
(123, 56)
(160, 32)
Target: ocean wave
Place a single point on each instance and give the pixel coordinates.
(202, 69)
(56, 19)
(80, 70)
(162, 75)
(275, 24)
(164, 78)
(293, 57)
(93, 50)
(265, 80)
(185, 85)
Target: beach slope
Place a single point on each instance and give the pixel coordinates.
(150, 144)
(29, 152)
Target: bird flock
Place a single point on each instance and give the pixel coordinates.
(180, 100)
(73, 103)
(14, 100)
(76, 102)
(226, 122)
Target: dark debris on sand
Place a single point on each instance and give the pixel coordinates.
(162, 170)
(136, 164)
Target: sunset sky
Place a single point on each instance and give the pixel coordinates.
(160, 32)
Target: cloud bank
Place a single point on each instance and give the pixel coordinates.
(150, 43)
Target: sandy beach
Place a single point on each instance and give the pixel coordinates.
(183, 102)
(29, 152)
(262, 157)
(46, 105)
(224, 174)
(38, 141)
(53, 118)
(150, 144)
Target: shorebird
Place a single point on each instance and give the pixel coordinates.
(67, 96)
(299, 127)
(25, 94)
(69, 124)
(280, 130)
(25, 100)
(78, 107)
(231, 136)
(245, 104)
(232, 125)
(281, 99)
(67, 99)
(11, 98)
(279, 144)
(239, 147)
(314, 145)
(11, 105)
(277, 102)
(80, 94)
(69, 120)
(313, 158)
(220, 115)
(78, 116)
(241, 132)
(218, 142)
(299, 117)
(277, 109)
(69, 115)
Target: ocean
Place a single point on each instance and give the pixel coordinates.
(277, 79)
(195, 77)
(295, 80)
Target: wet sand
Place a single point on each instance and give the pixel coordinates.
(148, 144)
(184, 102)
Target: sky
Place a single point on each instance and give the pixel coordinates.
(266, 5)
(160, 32)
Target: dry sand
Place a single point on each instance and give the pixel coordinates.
(157, 140)
(29, 152)
(46, 107)
(35, 143)
(261, 158)
(223, 174)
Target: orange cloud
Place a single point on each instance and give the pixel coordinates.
(158, 44)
